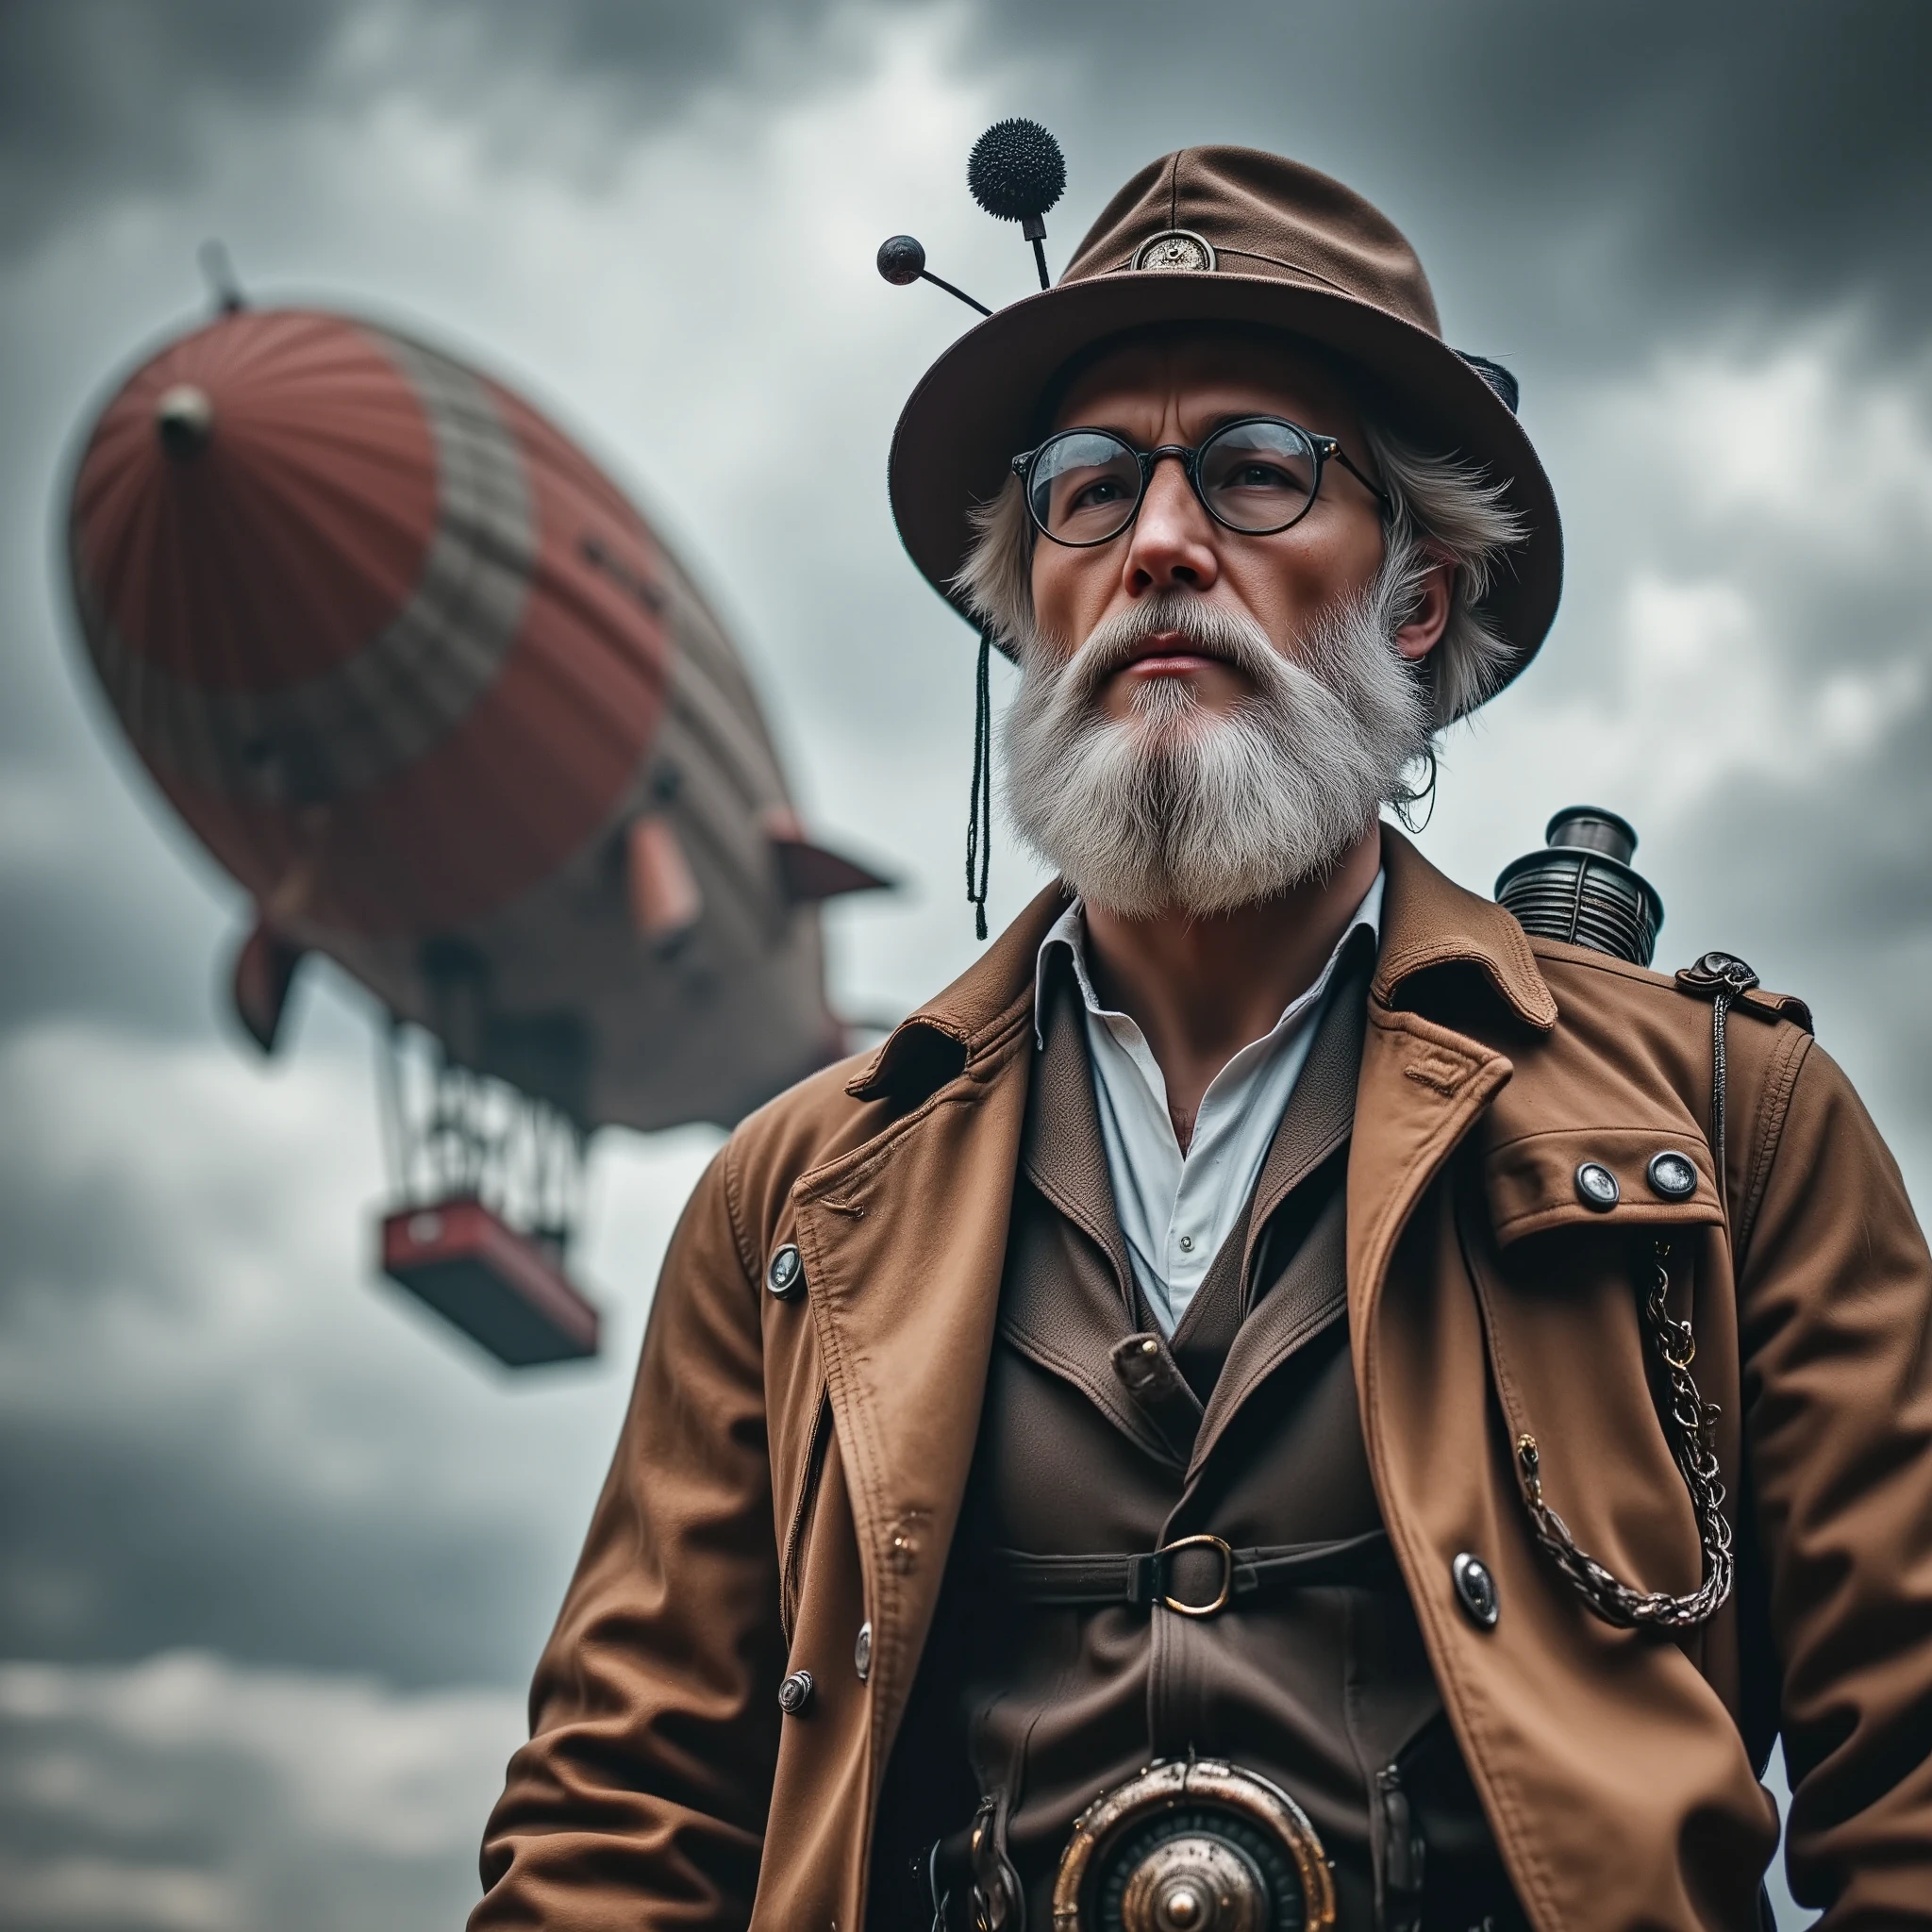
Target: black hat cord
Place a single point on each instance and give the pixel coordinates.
(979, 807)
(1016, 172)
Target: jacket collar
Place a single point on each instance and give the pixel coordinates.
(946, 1035)
(1427, 921)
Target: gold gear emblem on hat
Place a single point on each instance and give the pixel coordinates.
(1175, 248)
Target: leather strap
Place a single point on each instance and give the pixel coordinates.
(1195, 1575)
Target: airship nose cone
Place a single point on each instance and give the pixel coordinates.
(184, 420)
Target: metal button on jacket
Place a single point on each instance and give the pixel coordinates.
(861, 1653)
(1597, 1186)
(795, 1694)
(1476, 1590)
(1671, 1174)
(785, 1277)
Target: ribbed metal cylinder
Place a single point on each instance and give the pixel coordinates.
(1581, 888)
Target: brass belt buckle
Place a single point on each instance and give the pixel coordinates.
(1201, 1846)
(1199, 1542)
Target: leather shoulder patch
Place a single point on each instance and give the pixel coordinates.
(1777, 1006)
(1725, 972)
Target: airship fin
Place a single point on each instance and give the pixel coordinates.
(264, 972)
(665, 901)
(808, 873)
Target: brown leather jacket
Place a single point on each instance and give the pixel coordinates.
(792, 1467)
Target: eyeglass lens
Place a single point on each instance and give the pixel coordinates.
(1256, 476)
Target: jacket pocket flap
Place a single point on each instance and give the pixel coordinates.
(1554, 1180)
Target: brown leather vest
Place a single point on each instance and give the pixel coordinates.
(1101, 1438)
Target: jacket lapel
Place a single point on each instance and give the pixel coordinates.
(1320, 1115)
(903, 1242)
(1066, 1156)
(1314, 1125)
(1422, 1085)
(1067, 1292)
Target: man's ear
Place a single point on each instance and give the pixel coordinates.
(1435, 598)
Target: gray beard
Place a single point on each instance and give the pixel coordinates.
(1177, 809)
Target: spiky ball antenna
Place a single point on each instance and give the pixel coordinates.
(1016, 169)
(1016, 172)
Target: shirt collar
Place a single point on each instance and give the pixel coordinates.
(1427, 920)
(1070, 931)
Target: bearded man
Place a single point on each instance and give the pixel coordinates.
(1097, 1462)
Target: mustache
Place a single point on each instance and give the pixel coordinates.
(1203, 626)
(1174, 807)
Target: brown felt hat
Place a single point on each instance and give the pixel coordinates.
(1226, 234)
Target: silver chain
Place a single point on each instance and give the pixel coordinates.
(1688, 1423)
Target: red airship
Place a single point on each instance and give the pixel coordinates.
(430, 687)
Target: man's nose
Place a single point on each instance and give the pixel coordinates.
(1172, 543)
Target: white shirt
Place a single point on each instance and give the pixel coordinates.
(1177, 1209)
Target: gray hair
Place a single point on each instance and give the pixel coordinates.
(1438, 504)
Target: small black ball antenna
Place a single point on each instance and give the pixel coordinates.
(902, 262)
(1016, 172)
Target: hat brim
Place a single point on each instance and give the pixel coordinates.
(974, 408)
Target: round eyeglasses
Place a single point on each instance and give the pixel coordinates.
(1256, 474)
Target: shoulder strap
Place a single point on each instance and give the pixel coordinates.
(1727, 982)
(1726, 979)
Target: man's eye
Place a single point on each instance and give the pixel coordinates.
(1262, 477)
(1103, 489)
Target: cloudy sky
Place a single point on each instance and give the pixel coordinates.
(279, 1554)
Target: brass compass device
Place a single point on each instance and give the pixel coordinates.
(1194, 1847)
